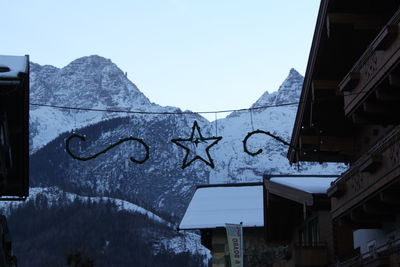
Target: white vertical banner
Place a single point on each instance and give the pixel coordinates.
(235, 242)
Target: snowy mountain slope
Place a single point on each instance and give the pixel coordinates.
(234, 165)
(174, 241)
(54, 194)
(186, 241)
(88, 82)
(160, 182)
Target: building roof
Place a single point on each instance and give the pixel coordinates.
(313, 185)
(287, 197)
(215, 205)
(298, 188)
(323, 129)
(11, 66)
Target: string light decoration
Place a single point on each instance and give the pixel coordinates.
(83, 138)
(250, 134)
(191, 145)
(194, 140)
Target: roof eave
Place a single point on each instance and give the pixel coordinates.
(319, 28)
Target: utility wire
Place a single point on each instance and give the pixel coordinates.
(171, 112)
(159, 113)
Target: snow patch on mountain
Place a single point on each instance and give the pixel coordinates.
(184, 242)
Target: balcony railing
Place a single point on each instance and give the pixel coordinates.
(379, 256)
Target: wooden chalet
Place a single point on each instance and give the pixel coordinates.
(297, 215)
(14, 141)
(212, 206)
(349, 112)
(14, 127)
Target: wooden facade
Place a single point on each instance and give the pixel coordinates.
(299, 220)
(14, 127)
(349, 112)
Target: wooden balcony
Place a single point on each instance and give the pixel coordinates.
(370, 87)
(371, 182)
(315, 254)
(382, 256)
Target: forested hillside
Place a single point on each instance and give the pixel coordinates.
(91, 233)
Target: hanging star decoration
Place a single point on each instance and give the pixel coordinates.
(196, 145)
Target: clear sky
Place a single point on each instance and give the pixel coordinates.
(200, 55)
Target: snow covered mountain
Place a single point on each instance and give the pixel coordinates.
(288, 92)
(160, 182)
(233, 165)
(159, 188)
(89, 82)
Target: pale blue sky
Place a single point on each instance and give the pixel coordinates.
(200, 55)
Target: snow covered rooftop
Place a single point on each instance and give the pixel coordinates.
(313, 185)
(213, 206)
(11, 66)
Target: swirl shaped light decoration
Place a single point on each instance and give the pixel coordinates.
(259, 151)
(83, 138)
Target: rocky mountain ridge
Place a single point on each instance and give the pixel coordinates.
(161, 177)
(91, 82)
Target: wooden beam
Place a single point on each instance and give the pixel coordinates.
(372, 164)
(386, 37)
(360, 217)
(379, 208)
(324, 84)
(336, 190)
(394, 80)
(387, 95)
(327, 156)
(374, 225)
(374, 107)
(349, 81)
(323, 87)
(356, 21)
(328, 143)
(374, 119)
(389, 198)
(362, 220)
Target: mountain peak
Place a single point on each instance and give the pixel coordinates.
(90, 81)
(294, 73)
(92, 59)
(288, 92)
(90, 65)
(293, 77)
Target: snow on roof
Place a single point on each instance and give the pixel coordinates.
(214, 206)
(313, 185)
(15, 64)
